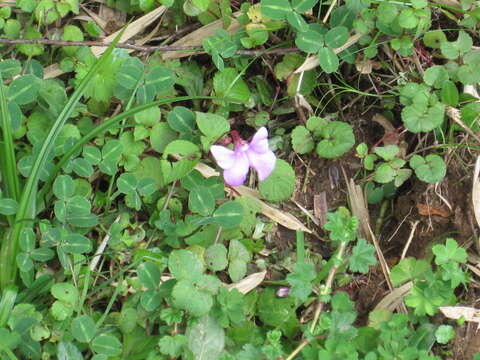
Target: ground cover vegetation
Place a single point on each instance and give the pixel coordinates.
(239, 180)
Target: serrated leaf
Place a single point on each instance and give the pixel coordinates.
(408, 269)
(206, 339)
(363, 256)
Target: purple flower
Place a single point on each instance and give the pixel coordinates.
(236, 163)
(283, 291)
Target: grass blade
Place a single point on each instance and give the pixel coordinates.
(27, 205)
(7, 155)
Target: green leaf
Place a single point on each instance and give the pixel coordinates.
(302, 141)
(187, 297)
(230, 85)
(450, 252)
(42, 254)
(65, 292)
(302, 6)
(10, 68)
(149, 275)
(434, 38)
(444, 334)
(24, 89)
(363, 256)
(430, 169)
(27, 240)
(201, 201)
(407, 19)
(297, 21)
(342, 226)
(129, 74)
(127, 183)
(83, 328)
(338, 139)
(238, 256)
(206, 339)
(408, 269)
(8, 207)
(211, 125)
(107, 345)
(77, 244)
(229, 214)
(185, 265)
(68, 351)
(150, 300)
(82, 167)
(336, 37)
(160, 136)
(301, 280)
(421, 118)
(216, 257)
(435, 76)
(309, 41)
(181, 119)
(172, 345)
(280, 184)
(275, 9)
(449, 93)
(328, 60)
(388, 152)
(24, 262)
(160, 79)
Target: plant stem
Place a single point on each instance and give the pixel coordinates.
(328, 284)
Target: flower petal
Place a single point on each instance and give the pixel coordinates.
(237, 174)
(224, 157)
(263, 163)
(259, 141)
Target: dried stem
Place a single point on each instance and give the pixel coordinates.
(143, 48)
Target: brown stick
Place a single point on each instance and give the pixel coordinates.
(143, 48)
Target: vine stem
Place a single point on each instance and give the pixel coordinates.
(325, 291)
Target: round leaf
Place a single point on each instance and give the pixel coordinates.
(216, 257)
(338, 139)
(185, 265)
(280, 184)
(430, 169)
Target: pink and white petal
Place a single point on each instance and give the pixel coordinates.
(224, 157)
(259, 141)
(263, 163)
(237, 174)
